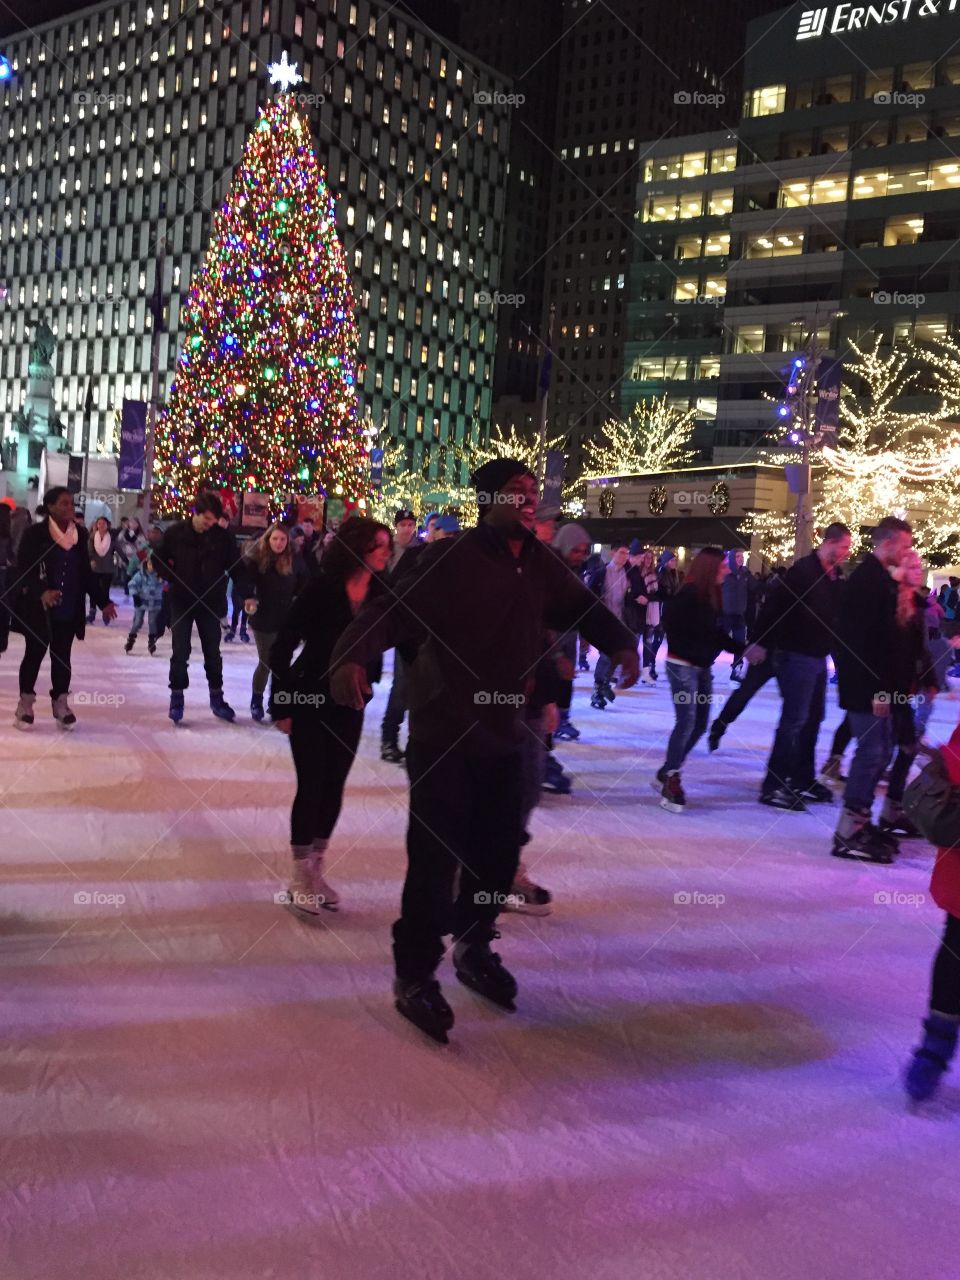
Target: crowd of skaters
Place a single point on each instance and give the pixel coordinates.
(488, 626)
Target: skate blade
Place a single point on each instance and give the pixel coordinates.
(500, 1001)
(529, 909)
(437, 1034)
(857, 857)
(306, 917)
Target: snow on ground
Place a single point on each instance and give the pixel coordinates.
(195, 1085)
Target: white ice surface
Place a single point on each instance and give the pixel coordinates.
(195, 1085)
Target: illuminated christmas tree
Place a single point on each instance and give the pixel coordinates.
(265, 393)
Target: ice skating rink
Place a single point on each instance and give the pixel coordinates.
(701, 1079)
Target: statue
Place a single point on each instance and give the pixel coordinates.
(44, 344)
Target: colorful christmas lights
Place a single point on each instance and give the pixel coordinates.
(266, 391)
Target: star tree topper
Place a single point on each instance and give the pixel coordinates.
(284, 73)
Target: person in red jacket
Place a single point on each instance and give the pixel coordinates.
(932, 1057)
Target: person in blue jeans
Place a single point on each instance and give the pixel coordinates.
(694, 638)
(797, 629)
(867, 665)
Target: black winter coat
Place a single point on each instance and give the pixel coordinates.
(478, 615)
(867, 637)
(800, 614)
(197, 565)
(693, 629)
(317, 620)
(32, 577)
(274, 593)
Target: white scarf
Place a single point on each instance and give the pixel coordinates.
(66, 539)
(101, 542)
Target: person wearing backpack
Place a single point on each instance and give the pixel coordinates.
(933, 801)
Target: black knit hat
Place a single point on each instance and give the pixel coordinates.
(489, 479)
(403, 514)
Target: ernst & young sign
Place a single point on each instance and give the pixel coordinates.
(839, 19)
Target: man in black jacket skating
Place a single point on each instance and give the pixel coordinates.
(866, 659)
(797, 627)
(196, 557)
(475, 609)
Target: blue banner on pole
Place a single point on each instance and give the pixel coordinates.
(829, 377)
(376, 468)
(133, 440)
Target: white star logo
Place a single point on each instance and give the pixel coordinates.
(284, 73)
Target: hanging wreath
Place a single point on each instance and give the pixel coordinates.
(657, 502)
(608, 500)
(719, 499)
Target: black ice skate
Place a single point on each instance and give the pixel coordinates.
(482, 971)
(423, 1004)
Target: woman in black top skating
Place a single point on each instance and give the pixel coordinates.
(267, 586)
(323, 734)
(694, 638)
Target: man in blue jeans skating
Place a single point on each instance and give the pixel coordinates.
(866, 665)
(797, 628)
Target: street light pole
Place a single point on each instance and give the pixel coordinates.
(806, 420)
(545, 375)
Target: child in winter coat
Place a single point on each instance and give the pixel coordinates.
(147, 588)
(932, 1057)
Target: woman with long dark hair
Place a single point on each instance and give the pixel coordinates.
(694, 638)
(100, 548)
(323, 734)
(268, 588)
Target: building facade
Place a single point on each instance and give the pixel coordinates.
(121, 127)
(630, 71)
(844, 218)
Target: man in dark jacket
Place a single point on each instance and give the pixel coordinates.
(866, 657)
(735, 594)
(405, 548)
(52, 579)
(196, 557)
(797, 627)
(476, 607)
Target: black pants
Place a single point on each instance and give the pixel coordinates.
(906, 739)
(945, 987)
(466, 816)
(182, 619)
(842, 737)
(238, 616)
(396, 702)
(324, 745)
(59, 640)
(756, 677)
